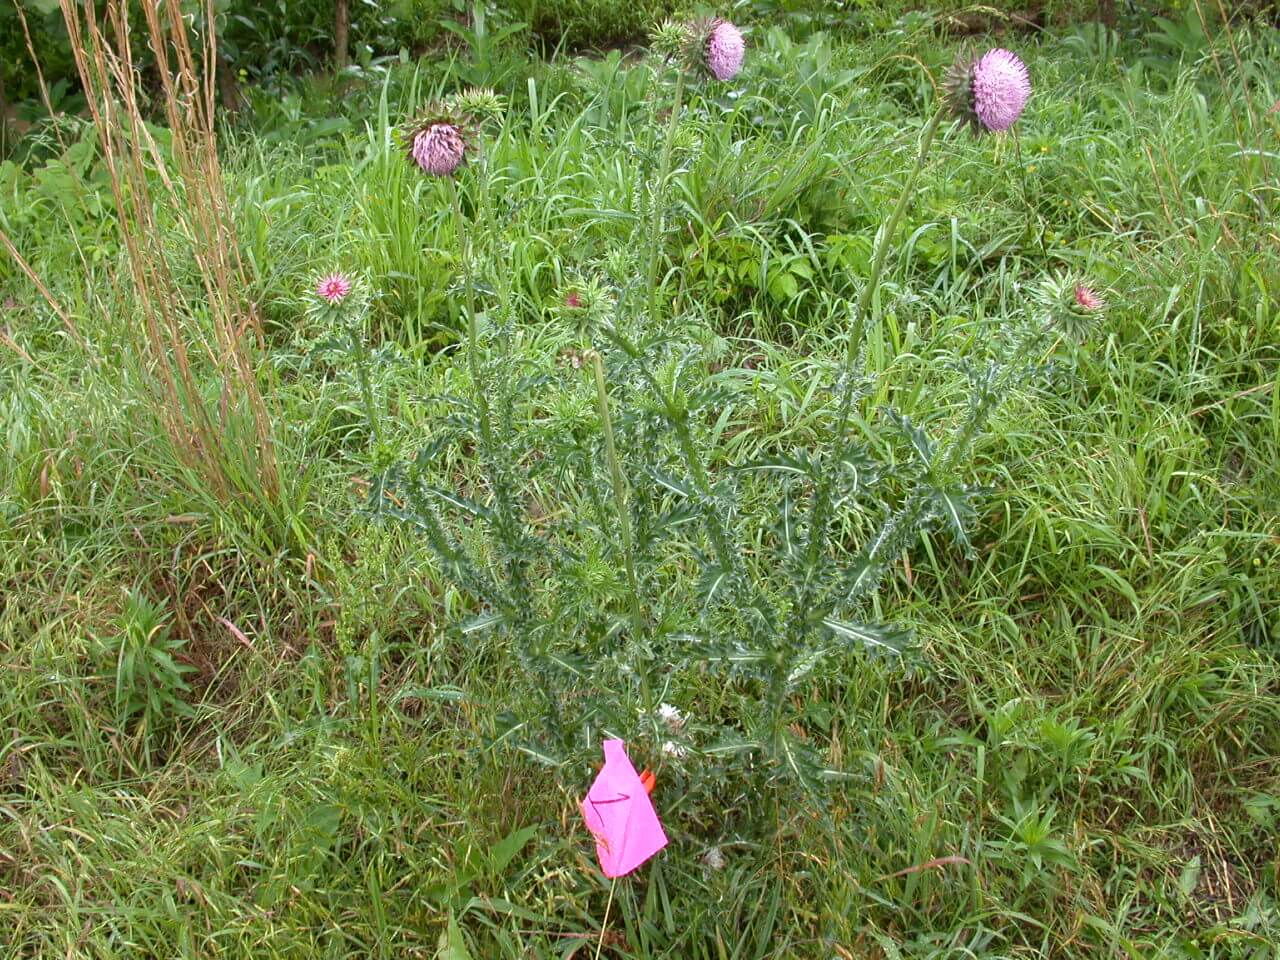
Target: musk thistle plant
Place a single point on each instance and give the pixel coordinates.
(989, 92)
(439, 140)
(342, 299)
(712, 45)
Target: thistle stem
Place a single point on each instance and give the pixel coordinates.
(703, 482)
(473, 334)
(491, 224)
(361, 353)
(659, 197)
(886, 237)
(619, 493)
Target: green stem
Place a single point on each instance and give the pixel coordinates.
(867, 298)
(361, 353)
(959, 446)
(886, 237)
(619, 494)
(491, 224)
(659, 197)
(703, 482)
(473, 334)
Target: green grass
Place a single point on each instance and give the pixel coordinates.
(1079, 759)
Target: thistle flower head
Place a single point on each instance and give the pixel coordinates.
(333, 287)
(724, 50)
(710, 44)
(988, 92)
(438, 149)
(1068, 304)
(444, 135)
(336, 295)
(584, 301)
(439, 139)
(1088, 300)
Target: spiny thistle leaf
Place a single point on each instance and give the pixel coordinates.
(803, 666)
(480, 622)
(797, 464)
(921, 443)
(801, 763)
(954, 506)
(879, 637)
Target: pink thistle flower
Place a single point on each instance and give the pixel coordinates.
(1087, 299)
(573, 300)
(725, 50)
(1001, 88)
(1068, 304)
(990, 92)
(438, 149)
(334, 287)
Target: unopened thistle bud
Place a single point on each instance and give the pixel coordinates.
(480, 104)
(670, 39)
(1068, 305)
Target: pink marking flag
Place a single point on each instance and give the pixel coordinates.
(620, 814)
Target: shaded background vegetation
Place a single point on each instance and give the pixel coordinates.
(268, 43)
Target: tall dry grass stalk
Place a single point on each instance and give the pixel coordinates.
(181, 196)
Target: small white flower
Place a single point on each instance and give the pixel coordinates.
(673, 749)
(672, 717)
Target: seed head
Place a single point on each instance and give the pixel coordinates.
(671, 716)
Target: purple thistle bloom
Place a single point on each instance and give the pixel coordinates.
(725, 50)
(438, 149)
(1087, 299)
(334, 287)
(990, 92)
(1001, 87)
